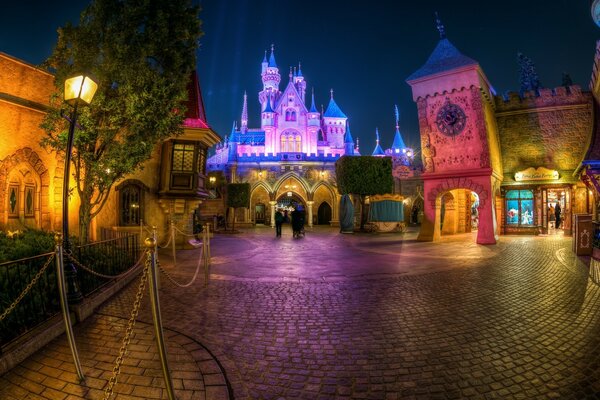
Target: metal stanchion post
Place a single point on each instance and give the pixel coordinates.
(208, 242)
(160, 341)
(141, 232)
(173, 239)
(60, 274)
(204, 254)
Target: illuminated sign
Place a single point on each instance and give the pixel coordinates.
(536, 174)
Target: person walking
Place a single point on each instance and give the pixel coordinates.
(557, 212)
(278, 222)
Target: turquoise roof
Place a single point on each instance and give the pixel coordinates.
(398, 142)
(333, 111)
(348, 137)
(445, 57)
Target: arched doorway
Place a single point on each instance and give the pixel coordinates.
(289, 201)
(459, 212)
(324, 214)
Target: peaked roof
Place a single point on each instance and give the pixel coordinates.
(313, 109)
(398, 142)
(378, 150)
(194, 114)
(333, 110)
(272, 62)
(445, 57)
(348, 136)
(291, 88)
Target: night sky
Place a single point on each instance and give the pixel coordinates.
(363, 50)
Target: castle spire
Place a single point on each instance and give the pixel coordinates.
(398, 144)
(272, 62)
(378, 152)
(348, 141)
(265, 58)
(313, 109)
(245, 113)
(440, 26)
(331, 91)
(299, 69)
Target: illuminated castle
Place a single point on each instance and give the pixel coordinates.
(291, 157)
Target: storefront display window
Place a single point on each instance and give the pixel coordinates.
(519, 208)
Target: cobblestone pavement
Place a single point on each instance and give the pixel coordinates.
(384, 317)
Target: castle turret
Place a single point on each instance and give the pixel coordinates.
(334, 124)
(268, 125)
(264, 64)
(270, 78)
(348, 141)
(398, 144)
(378, 152)
(300, 83)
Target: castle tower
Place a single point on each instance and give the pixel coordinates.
(300, 83)
(268, 125)
(313, 124)
(270, 79)
(398, 144)
(459, 141)
(334, 124)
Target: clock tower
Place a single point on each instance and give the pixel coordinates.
(459, 139)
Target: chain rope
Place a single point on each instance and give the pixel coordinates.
(91, 271)
(108, 392)
(173, 281)
(27, 289)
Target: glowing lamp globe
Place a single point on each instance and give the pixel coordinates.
(80, 89)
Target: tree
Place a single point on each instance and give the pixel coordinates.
(238, 195)
(364, 176)
(141, 53)
(527, 74)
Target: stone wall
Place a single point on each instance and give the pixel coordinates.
(550, 130)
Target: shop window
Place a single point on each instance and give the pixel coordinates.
(131, 207)
(520, 208)
(183, 166)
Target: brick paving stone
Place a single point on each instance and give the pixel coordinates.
(364, 316)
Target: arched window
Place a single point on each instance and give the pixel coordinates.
(131, 202)
(290, 114)
(298, 144)
(284, 142)
(23, 197)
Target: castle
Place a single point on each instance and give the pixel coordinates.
(291, 157)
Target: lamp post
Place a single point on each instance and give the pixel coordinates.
(79, 89)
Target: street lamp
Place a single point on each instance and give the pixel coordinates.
(79, 90)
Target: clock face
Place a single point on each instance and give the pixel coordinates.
(451, 119)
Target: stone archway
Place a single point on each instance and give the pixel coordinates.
(324, 214)
(27, 164)
(436, 188)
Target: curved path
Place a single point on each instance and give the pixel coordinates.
(382, 316)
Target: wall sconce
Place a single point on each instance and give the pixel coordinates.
(322, 174)
(260, 174)
(289, 194)
(212, 179)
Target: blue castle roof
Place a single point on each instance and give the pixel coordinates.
(250, 137)
(398, 142)
(445, 57)
(272, 62)
(348, 137)
(333, 110)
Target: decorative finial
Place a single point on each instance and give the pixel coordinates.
(272, 47)
(440, 26)
(377, 134)
(331, 91)
(397, 114)
(290, 72)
